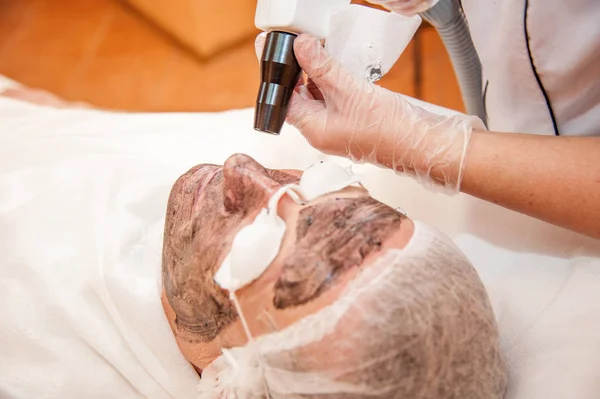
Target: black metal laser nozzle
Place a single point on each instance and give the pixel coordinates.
(279, 74)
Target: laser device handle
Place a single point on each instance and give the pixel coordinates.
(279, 74)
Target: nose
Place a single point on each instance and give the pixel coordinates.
(247, 184)
(243, 161)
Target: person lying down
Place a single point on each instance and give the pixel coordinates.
(359, 301)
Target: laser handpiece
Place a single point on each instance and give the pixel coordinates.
(279, 74)
(284, 20)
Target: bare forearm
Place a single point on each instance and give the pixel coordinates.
(555, 179)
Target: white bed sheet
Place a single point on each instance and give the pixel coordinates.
(544, 281)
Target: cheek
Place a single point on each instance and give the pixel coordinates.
(257, 304)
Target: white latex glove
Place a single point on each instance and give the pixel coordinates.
(341, 114)
(406, 7)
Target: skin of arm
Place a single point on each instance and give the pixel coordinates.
(554, 179)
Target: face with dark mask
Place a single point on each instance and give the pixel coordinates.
(325, 240)
(328, 242)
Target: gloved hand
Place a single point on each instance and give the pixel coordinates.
(343, 115)
(405, 7)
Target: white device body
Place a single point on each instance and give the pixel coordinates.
(297, 16)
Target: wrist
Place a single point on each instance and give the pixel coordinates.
(433, 152)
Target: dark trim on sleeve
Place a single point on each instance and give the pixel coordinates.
(535, 72)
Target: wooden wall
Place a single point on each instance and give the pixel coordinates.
(118, 55)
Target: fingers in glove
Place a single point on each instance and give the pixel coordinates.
(259, 44)
(325, 73)
(314, 90)
(307, 115)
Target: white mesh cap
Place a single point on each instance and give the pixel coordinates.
(416, 323)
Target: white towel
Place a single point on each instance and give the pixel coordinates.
(82, 202)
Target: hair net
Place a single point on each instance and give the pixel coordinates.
(416, 323)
